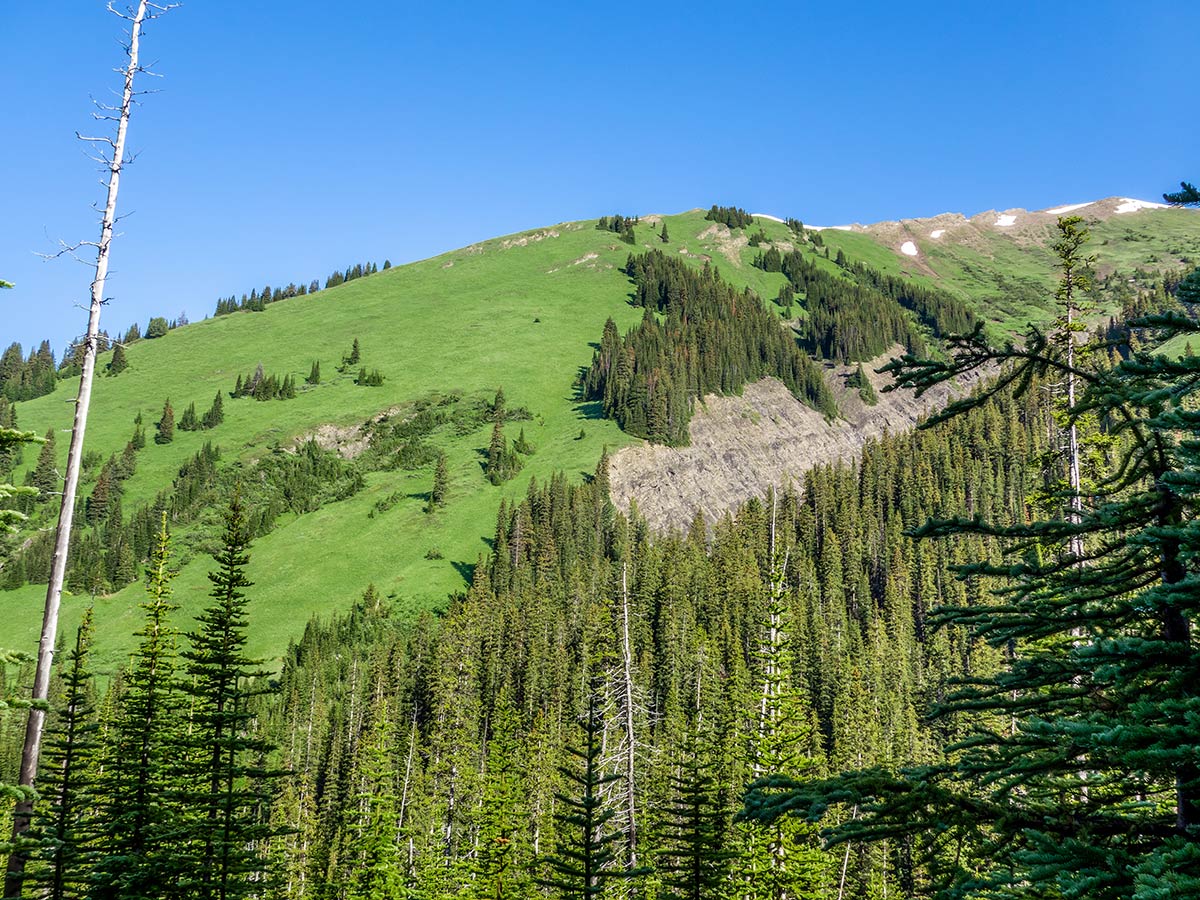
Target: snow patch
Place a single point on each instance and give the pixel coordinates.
(829, 227)
(1005, 221)
(765, 216)
(1129, 205)
(1070, 207)
(908, 248)
(937, 233)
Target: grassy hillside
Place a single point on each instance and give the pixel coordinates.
(1009, 273)
(520, 312)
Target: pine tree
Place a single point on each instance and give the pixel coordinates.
(223, 769)
(119, 363)
(373, 851)
(355, 354)
(45, 475)
(441, 483)
(10, 441)
(585, 855)
(314, 374)
(499, 870)
(216, 413)
(694, 854)
(166, 425)
(136, 814)
(664, 237)
(62, 822)
(189, 421)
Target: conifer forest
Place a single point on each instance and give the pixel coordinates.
(695, 556)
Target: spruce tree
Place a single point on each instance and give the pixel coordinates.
(223, 772)
(373, 850)
(441, 483)
(216, 413)
(136, 810)
(664, 236)
(45, 475)
(502, 813)
(1080, 778)
(585, 855)
(62, 822)
(694, 854)
(314, 374)
(119, 363)
(189, 420)
(166, 425)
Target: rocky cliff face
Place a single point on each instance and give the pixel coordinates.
(741, 446)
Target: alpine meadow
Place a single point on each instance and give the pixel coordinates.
(697, 555)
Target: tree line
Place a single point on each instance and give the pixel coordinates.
(713, 338)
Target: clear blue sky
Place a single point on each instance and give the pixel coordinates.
(292, 137)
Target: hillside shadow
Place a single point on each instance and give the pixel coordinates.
(465, 569)
(589, 410)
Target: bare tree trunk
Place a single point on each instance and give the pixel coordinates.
(628, 701)
(115, 161)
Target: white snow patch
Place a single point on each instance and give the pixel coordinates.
(1005, 221)
(1128, 205)
(1070, 207)
(937, 233)
(829, 227)
(765, 216)
(908, 248)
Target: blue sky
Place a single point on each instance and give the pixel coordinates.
(294, 137)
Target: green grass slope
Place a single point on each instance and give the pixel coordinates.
(519, 312)
(1009, 273)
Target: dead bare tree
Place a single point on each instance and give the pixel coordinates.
(113, 159)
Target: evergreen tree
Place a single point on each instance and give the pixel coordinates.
(585, 855)
(441, 482)
(355, 354)
(119, 363)
(664, 237)
(62, 824)
(189, 421)
(314, 374)
(45, 475)
(695, 856)
(499, 873)
(373, 851)
(223, 772)
(166, 425)
(216, 413)
(137, 817)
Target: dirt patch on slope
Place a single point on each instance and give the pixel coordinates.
(741, 446)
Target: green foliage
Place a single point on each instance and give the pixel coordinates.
(585, 859)
(165, 429)
(25, 378)
(63, 827)
(314, 374)
(621, 225)
(119, 362)
(222, 770)
(732, 216)
(713, 339)
(503, 461)
(441, 483)
(1078, 778)
(157, 327)
(860, 382)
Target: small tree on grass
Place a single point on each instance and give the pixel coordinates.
(441, 482)
(314, 374)
(119, 363)
(166, 425)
